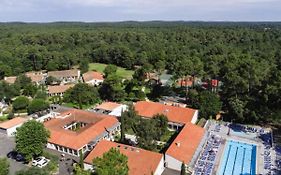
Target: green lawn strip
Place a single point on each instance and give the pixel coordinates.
(72, 105)
(124, 73)
(4, 117)
(201, 122)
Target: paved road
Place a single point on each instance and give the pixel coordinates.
(6, 145)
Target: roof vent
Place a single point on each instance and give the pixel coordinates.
(178, 144)
(166, 110)
(137, 150)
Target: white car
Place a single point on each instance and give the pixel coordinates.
(40, 162)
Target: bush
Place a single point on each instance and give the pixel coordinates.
(10, 116)
(20, 103)
(37, 105)
(4, 166)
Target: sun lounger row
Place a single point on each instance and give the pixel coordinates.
(207, 158)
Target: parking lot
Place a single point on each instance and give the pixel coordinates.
(7, 145)
(65, 165)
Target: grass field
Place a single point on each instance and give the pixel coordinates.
(124, 73)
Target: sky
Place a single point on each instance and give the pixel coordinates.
(139, 10)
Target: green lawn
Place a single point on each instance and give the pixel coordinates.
(124, 73)
(72, 105)
(4, 117)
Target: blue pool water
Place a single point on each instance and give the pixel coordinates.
(238, 159)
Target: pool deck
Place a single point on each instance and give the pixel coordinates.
(227, 134)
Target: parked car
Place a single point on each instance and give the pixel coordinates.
(20, 158)
(40, 162)
(12, 154)
(16, 155)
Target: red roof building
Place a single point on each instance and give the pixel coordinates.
(76, 130)
(10, 80)
(10, 127)
(184, 146)
(140, 161)
(177, 116)
(93, 78)
(58, 90)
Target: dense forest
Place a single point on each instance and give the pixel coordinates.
(246, 57)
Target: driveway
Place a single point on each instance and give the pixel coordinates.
(7, 144)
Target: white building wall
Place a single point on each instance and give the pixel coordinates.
(195, 117)
(172, 163)
(95, 82)
(50, 115)
(117, 111)
(160, 168)
(12, 131)
(51, 146)
(88, 167)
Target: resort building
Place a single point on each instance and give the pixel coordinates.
(66, 76)
(93, 78)
(10, 127)
(58, 90)
(110, 108)
(77, 130)
(140, 161)
(177, 116)
(10, 80)
(185, 81)
(36, 77)
(184, 146)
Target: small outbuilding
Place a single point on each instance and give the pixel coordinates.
(10, 127)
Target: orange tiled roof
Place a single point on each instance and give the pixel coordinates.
(96, 125)
(59, 88)
(64, 73)
(108, 106)
(10, 80)
(13, 122)
(140, 161)
(92, 75)
(173, 113)
(186, 143)
(35, 78)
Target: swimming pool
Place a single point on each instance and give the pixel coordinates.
(238, 159)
